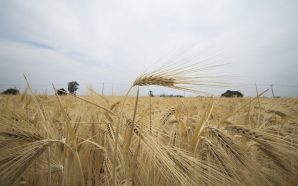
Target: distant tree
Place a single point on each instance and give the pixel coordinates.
(230, 93)
(150, 93)
(171, 95)
(72, 87)
(61, 92)
(11, 91)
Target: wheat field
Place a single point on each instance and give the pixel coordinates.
(68, 140)
(135, 140)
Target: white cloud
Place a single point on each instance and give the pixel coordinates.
(114, 41)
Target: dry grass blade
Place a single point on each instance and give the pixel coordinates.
(113, 106)
(200, 127)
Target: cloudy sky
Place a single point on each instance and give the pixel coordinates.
(113, 42)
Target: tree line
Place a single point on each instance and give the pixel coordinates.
(72, 88)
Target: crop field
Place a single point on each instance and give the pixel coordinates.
(102, 140)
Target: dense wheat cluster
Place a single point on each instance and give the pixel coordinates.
(163, 141)
(133, 140)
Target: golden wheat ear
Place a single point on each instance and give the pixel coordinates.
(188, 77)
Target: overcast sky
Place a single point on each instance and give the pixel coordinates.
(110, 41)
